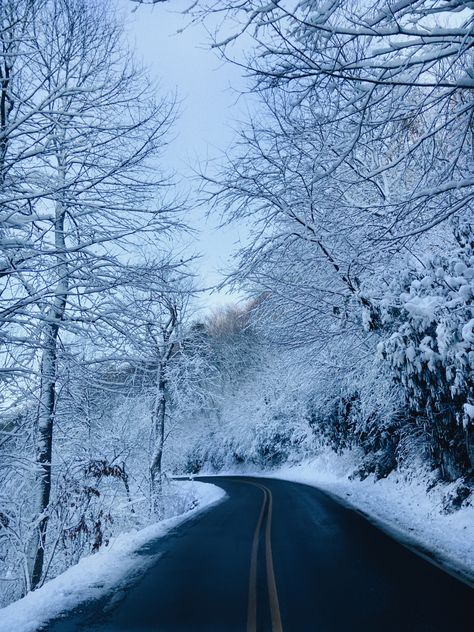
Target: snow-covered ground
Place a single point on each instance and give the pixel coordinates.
(400, 505)
(95, 575)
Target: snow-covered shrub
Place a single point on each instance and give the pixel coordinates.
(213, 452)
(279, 440)
(429, 348)
(357, 418)
(17, 477)
(262, 423)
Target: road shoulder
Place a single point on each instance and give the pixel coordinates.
(401, 509)
(99, 574)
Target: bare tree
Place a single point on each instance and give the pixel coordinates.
(396, 75)
(149, 330)
(104, 132)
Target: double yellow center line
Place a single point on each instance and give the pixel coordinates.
(267, 505)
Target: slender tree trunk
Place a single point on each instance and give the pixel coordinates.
(470, 447)
(47, 399)
(44, 449)
(158, 420)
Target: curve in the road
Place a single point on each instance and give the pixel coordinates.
(280, 557)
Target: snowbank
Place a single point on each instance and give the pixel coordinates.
(401, 507)
(95, 575)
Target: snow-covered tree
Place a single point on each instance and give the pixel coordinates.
(428, 315)
(82, 132)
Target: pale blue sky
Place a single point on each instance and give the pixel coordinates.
(210, 111)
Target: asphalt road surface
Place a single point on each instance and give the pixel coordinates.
(280, 557)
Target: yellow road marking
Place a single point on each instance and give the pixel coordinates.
(272, 589)
(271, 582)
(252, 605)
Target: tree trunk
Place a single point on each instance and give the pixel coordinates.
(470, 447)
(47, 399)
(158, 421)
(44, 450)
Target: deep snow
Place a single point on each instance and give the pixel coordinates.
(95, 575)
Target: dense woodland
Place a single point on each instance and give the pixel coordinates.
(355, 177)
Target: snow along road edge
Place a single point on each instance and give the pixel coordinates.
(403, 509)
(110, 569)
(403, 526)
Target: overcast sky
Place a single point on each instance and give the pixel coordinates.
(210, 109)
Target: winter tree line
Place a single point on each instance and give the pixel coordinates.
(92, 296)
(354, 176)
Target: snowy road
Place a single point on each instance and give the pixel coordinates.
(280, 557)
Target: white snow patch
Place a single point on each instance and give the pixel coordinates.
(424, 307)
(96, 575)
(469, 411)
(468, 331)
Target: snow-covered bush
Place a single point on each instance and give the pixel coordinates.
(429, 348)
(262, 423)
